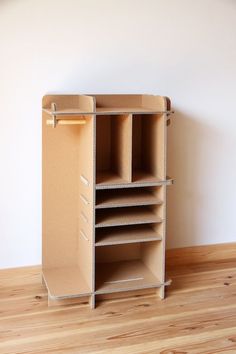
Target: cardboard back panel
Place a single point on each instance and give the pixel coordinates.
(148, 145)
(113, 147)
(70, 102)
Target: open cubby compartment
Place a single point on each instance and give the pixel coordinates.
(68, 195)
(129, 267)
(67, 105)
(148, 148)
(112, 104)
(113, 149)
(129, 216)
(125, 197)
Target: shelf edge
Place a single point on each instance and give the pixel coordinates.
(149, 239)
(157, 220)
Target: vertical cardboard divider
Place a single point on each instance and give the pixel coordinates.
(162, 250)
(167, 106)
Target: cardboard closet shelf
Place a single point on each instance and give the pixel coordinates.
(126, 234)
(126, 216)
(126, 197)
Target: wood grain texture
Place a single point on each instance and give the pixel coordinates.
(199, 254)
(197, 316)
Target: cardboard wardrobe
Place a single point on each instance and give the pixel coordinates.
(104, 196)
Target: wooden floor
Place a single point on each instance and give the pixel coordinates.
(198, 316)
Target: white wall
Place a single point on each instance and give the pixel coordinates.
(184, 49)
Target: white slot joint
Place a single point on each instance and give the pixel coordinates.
(85, 200)
(84, 180)
(84, 217)
(83, 235)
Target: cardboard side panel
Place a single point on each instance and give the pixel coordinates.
(157, 103)
(69, 102)
(60, 194)
(86, 197)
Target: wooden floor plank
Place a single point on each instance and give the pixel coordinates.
(198, 316)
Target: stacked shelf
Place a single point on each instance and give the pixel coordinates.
(104, 194)
(126, 234)
(126, 197)
(126, 216)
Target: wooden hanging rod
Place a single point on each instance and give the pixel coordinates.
(66, 122)
(57, 121)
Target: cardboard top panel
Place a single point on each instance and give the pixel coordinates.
(68, 105)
